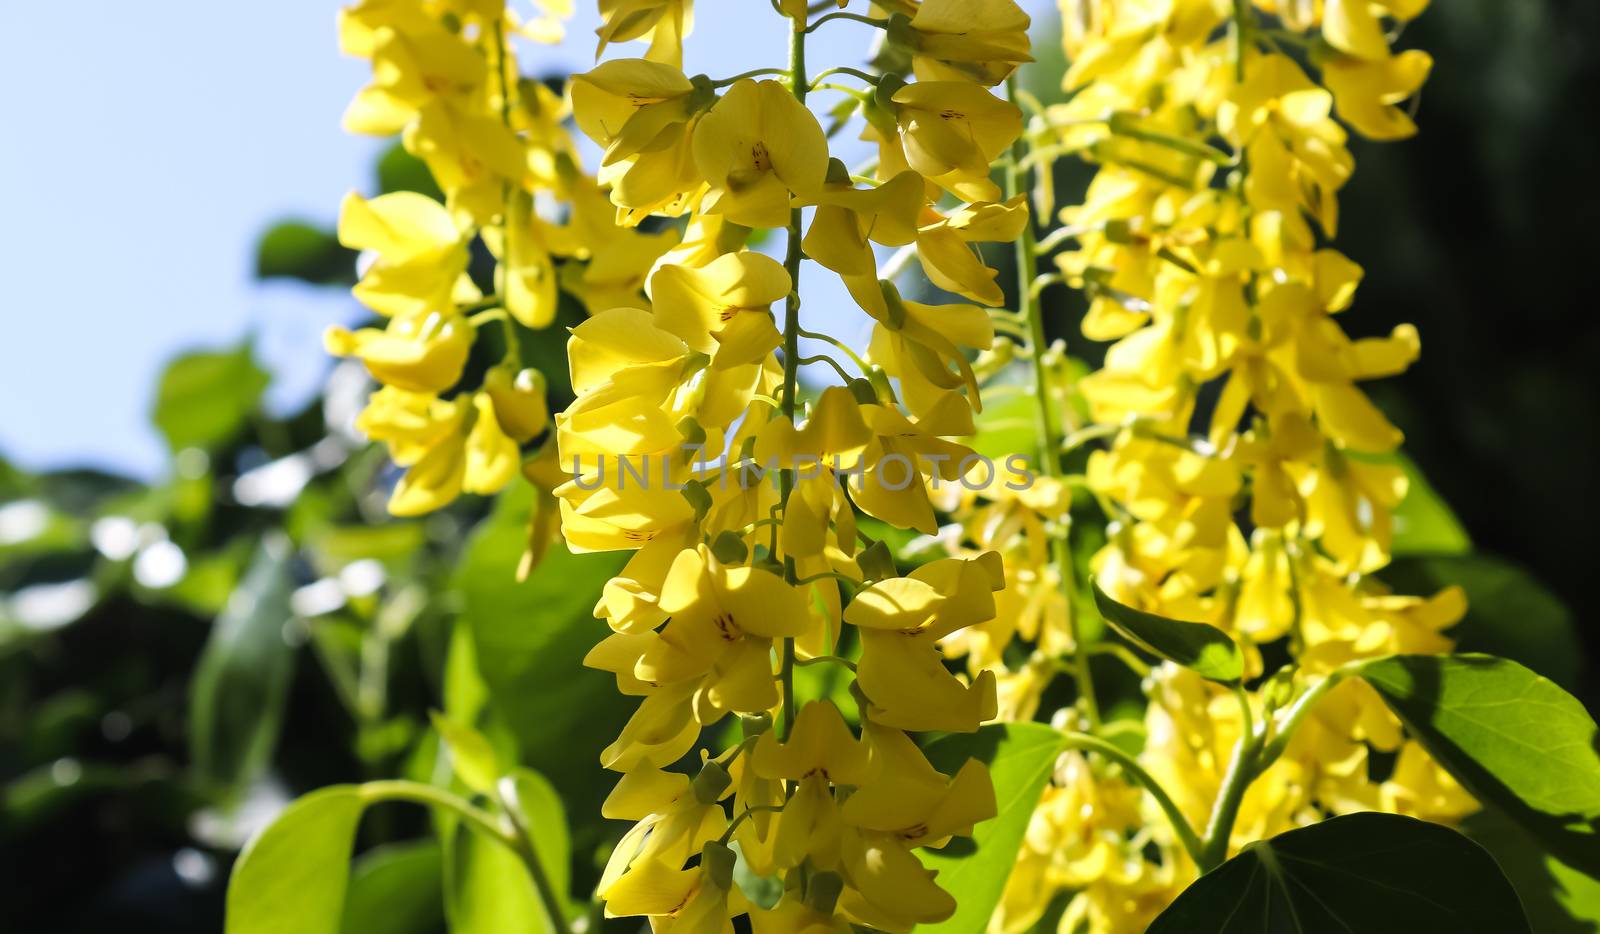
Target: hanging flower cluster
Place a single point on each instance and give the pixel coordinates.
(445, 79)
(690, 443)
(1247, 481)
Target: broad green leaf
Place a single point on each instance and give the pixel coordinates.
(1203, 648)
(1020, 757)
(1510, 737)
(488, 889)
(399, 170)
(471, 756)
(292, 876)
(1509, 613)
(396, 889)
(1423, 522)
(530, 640)
(1370, 873)
(204, 397)
(545, 818)
(464, 691)
(298, 250)
(241, 682)
(1557, 898)
(1008, 425)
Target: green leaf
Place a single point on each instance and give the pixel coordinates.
(471, 756)
(298, 250)
(399, 170)
(241, 682)
(1557, 898)
(1007, 426)
(1423, 522)
(1203, 648)
(1509, 736)
(1370, 873)
(292, 876)
(530, 640)
(1020, 757)
(488, 889)
(1509, 613)
(204, 397)
(545, 818)
(396, 889)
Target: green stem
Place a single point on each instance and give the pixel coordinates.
(513, 837)
(880, 23)
(418, 793)
(824, 358)
(842, 70)
(1242, 769)
(506, 793)
(1027, 259)
(1298, 712)
(827, 660)
(791, 362)
(839, 345)
(1241, 27)
(752, 73)
(1180, 824)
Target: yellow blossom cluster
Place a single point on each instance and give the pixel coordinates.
(691, 445)
(445, 79)
(1246, 480)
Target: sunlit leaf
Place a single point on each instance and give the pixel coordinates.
(530, 640)
(1020, 757)
(1557, 898)
(1203, 648)
(1423, 522)
(1511, 737)
(205, 397)
(292, 876)
(471, 756)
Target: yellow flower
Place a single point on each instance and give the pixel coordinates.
(492, 457)
(900, 622)
(1366, 92)
(525, 275)
(952, 131)
(724, 307)
(911, 799)
(948, 259)
(421, 255)
(755, 147)
(422, 353)
(409, 423)
(923, 345)
(1353, 26)
(966, 40)
(519, 401)
(849, 219)
(664, 23)
(415, 61)
(1296, 151)
(889, 888)
(471, 153)
(819, 744)
(642, 113)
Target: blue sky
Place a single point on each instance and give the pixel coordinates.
(145, 139)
